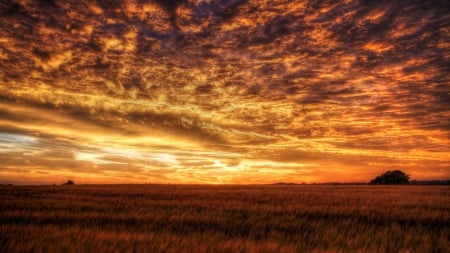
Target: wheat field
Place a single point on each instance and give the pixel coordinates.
(199, 218)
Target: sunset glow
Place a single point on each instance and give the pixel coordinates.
(220, 92)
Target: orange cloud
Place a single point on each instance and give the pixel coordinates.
(222, 91)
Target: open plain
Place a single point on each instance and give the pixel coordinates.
(200, 218)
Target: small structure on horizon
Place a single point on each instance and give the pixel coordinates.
(69, 182)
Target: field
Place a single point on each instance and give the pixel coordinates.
(182, 218)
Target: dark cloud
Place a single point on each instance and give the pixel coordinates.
(249, 77)
(226, 10)
(205, 88)
(170, 6)
(11, 9)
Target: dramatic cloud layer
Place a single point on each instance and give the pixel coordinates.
(215, 91)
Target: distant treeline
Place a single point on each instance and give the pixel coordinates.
(412, 182)
(430, 182)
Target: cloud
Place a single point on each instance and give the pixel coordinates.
(239, 82)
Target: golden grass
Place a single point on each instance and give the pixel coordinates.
(163, 218)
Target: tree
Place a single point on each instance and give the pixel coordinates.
(391, 177)
(69, 182)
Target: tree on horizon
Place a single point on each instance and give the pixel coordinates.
(391, 177)
(69, 182)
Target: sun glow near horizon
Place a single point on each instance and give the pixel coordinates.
(222, 92)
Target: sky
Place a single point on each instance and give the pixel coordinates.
(223, 91)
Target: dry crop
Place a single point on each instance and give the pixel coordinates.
(265, 218)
